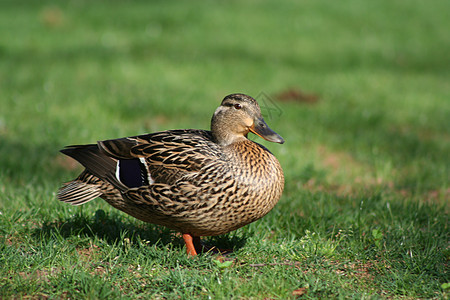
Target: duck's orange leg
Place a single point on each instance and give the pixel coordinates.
(192, 244)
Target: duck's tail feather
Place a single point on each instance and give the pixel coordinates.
(97, 163)
(77, 192)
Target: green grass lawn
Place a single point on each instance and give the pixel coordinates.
(359, 90)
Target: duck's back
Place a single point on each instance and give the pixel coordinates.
(169, 155)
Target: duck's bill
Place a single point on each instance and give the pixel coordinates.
(261, 129)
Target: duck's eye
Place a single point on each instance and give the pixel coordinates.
(237, 106)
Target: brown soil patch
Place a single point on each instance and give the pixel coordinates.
(67, 163)
(296, 95)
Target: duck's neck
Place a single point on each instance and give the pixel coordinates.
(222, 134)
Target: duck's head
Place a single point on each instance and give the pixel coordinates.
(237, 115)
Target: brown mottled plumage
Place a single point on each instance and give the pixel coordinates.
(198, 182)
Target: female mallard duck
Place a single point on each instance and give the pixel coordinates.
(199, 182)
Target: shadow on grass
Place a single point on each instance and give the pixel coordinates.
(113, 230)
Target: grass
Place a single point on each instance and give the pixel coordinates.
(366, 159)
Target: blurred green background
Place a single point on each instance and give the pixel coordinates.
(377, 74)
(359, 90)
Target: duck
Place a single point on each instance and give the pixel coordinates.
(197, 182)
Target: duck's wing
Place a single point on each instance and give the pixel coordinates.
(131, 162)
(161, 157)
